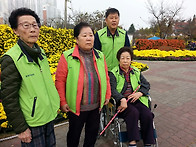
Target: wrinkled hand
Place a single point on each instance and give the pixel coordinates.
(134, 97)
(65, 108)
(25, 136)
(123, 104)
(106, 101)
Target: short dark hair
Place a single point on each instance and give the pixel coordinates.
(79, 27)
(125, 49)
(111, 11)
(13, 18)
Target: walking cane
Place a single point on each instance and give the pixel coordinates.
(117, 113)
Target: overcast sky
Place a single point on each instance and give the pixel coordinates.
(131, 11)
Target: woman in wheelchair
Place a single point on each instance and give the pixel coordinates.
(124, 79)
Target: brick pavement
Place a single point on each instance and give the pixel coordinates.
(173, 88)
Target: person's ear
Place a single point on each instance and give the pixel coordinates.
(76, 38)
(16, 32)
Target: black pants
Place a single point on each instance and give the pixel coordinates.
(134, 112)
(76, 123)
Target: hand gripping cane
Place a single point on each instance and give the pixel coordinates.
(117, 113)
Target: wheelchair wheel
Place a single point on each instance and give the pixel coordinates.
(119, 135)
(114, 132)
(103, 120)
(156, 143)
(155, 138)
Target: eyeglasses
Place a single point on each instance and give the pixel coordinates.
(27, 25)
(123, 58)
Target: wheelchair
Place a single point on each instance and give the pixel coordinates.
(117, 129)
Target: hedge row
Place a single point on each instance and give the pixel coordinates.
(173, 44)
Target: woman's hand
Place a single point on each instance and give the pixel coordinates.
(106, 101)
(65, 108)
(123, 104)
(134, 97)
(25, 136)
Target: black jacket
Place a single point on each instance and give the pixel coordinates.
(10, 85)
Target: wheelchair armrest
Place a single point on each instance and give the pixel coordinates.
(150, 103)
(149, 98)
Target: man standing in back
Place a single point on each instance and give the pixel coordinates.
(111, 38)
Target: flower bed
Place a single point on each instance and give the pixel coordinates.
(155, 54)
(145, 44)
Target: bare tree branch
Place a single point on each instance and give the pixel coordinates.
(164, 17)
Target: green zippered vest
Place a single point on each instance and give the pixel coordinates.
(38, 97)
(73, 66)
(120, 80)
(110, 46)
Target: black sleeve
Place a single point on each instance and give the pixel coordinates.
(127, 42)
(97, 43)
(10, 85)
(115, 94)
(145, 85)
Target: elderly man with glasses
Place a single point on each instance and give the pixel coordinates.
(29, 96)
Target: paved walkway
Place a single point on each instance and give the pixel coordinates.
(173, 88)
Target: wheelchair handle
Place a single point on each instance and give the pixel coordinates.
(155, 105)
(117, 113)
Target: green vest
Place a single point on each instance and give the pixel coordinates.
(74, 85)
(110, 46)
(38, 97)
(135, 78)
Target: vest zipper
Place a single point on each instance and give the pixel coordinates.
(113, 53)
(33, 109)
(40, 69)
(44, 83)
